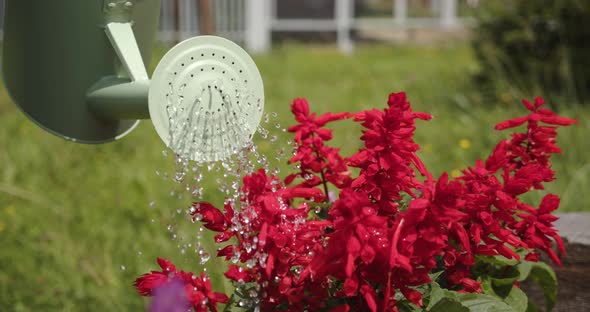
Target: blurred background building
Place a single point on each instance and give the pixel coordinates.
(256, 23)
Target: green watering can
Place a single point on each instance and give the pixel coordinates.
(77, 69)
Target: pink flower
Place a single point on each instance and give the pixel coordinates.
(170, 297)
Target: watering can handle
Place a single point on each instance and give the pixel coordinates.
(114, 98)
(123, 41)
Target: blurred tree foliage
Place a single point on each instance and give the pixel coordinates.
(539, 47)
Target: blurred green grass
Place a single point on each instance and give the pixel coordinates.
(72, 215)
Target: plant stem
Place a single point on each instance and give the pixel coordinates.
(324, 182)
(327, 199)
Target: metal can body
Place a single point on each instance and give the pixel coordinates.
(54, 52)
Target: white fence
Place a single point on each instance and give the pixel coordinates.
(251, 22)
(179, 19)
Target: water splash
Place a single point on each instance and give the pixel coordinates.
(218, 123)
(197, 132)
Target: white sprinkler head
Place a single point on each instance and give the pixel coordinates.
(206, 98)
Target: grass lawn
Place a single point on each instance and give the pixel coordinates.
(76, 223)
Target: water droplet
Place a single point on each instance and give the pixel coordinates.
(198, 217)
(205, 257)
(179, 177)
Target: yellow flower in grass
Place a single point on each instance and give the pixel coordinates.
(10, 210)
(455, 173)
(506, 98)
(464, 144)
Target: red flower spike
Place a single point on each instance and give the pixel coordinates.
(537, 114)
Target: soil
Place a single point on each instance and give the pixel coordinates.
(573, 278)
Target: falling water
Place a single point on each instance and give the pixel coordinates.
(211, 149)
(219, 139)
(217, 122)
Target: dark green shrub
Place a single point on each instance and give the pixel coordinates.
(535, 47)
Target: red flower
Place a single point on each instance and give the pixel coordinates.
(146, 284)
(318, 164)
(389, 152)
(538, 114)
(537, 229)
(239, 274)
(309, 124)
(197, 289)
(388, 230)
(214, 219)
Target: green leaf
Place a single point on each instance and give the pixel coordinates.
(487, 287)
(484, 303)
(407, 306)
(437, 294)
(511, 276)
(447, 300)
(517, 300)
(539, 272)
(524, 270)
(448, 305)
(544, 276)
(498, 260)
(434, 276)
(511, 295)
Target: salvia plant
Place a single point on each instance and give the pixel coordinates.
(376, 231)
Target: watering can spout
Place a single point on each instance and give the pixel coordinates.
(115, 99)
